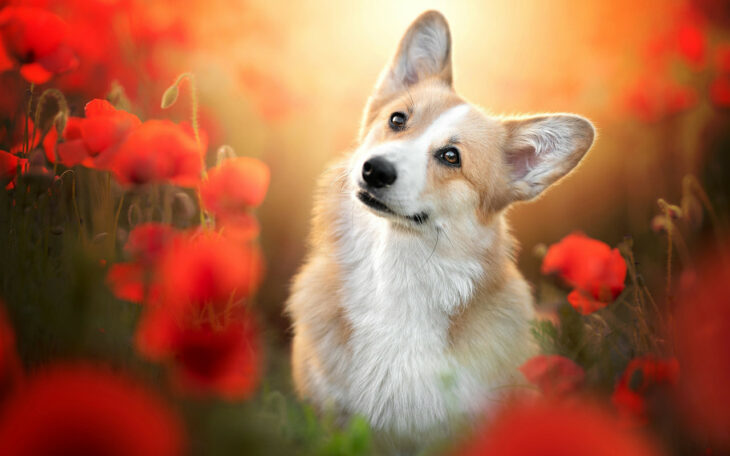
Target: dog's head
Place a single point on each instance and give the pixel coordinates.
(425, 155)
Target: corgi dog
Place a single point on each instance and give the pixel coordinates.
(410, 310)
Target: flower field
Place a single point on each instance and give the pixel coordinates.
(157, 167)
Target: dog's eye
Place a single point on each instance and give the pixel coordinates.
(449, 156)
(397, 121)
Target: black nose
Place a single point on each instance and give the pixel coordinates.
(378, 172)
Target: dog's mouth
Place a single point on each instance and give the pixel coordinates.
(372, 202)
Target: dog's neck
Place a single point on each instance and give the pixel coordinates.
(445, 261)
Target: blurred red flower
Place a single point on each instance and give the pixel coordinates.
(691, 40)
(93, 141)
(702, 338)
(130, 282)
(640, 376)
(133, 281)
(9, 165)
(148, 241)
(555, 375)
(21, 139)
(208, 269)
(199, 324)
(205, 353)
(591, 267)
(232, 189)
(158, 151)
(37, 40)
(556, 428)
(79, 409)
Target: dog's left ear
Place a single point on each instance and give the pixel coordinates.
(540, 150)
(424, 53)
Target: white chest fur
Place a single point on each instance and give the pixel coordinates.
(400, 292)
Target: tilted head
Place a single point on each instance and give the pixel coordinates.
(427, 156)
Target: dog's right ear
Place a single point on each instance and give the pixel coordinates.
(424, 52)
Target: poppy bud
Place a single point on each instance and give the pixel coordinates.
(170, 96)
(224, 152)
(674, 211)
(59, 122)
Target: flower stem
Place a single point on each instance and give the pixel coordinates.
(26, 143)
(116, 224)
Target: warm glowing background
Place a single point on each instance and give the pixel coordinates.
(287, 82)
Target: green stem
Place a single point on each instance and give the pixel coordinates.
(76, 208)
(26, 144)
(116, 224)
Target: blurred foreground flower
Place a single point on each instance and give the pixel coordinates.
(640, 376)
(205, 353)
(132, 281)
(702, 336)
(555, 375)
(556, 428)
(720, 86)
(207, 269)
(37, 41)
(592, 268)
(84, 410)
(199, 324)
(9, 165)
(159, 151)
(232, 189)
(93, 141)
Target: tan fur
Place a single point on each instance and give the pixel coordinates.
(478, 330)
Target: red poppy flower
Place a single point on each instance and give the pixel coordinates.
(640, 376)
(79, 409)
(208, 269)
(555, 375)
(94, 140)
(596, 271)
(148, 241)
(232, 189)
(205, 353)
(691, 41)
(556, 428)
(128, 281)
(37, 40)
(202, 134)
(20, 142)
(133, 281)
(9, 165)
(158, 151)
(702, 338)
